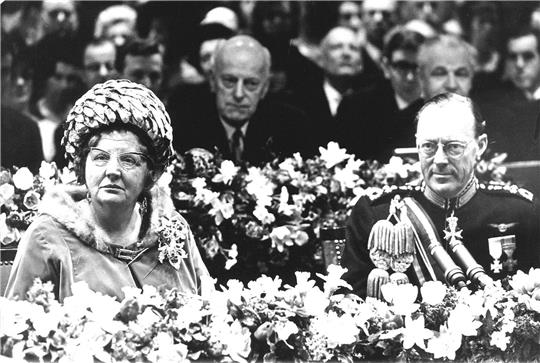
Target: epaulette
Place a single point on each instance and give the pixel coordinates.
(502, 188)
(388, 191)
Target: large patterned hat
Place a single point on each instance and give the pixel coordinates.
(118, 101)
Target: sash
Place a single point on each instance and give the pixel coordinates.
(431, 261)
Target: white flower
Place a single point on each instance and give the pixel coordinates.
(231, 257)
(333, 154)
(7, 191)
(289, 166)
(284, 329)
(280, 237)
(284, 207)
(222, 208)
(461, 320)
(31, 200)
(67, 176)
(500, 340)
(415, 332)
(402, 297)
(198, 183)
(298, 158)
(47, 170)
(395, 166)
(339, 330)
(445, 344)
(23, 179)
(227, 172)
(333, 280)
(263, 215)
(315, 302)
(259, 186)
(433, 292)
(234, 291)
(265, 287)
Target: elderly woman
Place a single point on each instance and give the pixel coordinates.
(125, 231)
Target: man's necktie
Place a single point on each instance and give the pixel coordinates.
(237, 145)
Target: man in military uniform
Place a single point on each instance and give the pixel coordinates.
(498, 225)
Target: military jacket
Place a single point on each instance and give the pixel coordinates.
(492, 211)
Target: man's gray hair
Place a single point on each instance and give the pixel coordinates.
(448, 42)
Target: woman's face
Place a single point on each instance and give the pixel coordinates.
(117, 169)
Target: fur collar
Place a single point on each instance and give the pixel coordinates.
(68, 206)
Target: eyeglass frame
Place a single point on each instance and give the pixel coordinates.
(444, 146)
(118, 155)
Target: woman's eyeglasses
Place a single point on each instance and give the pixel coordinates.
(127, 161)
(453, 149)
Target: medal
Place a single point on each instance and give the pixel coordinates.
(495, 251)
(509, 246)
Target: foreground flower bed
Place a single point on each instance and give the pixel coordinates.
(265, 321)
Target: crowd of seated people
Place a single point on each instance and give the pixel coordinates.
(260, 80)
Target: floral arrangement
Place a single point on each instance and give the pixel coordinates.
(20, 194)
(268, 321)
(265, 220)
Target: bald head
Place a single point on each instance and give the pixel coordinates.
(240, 78)
(241, 47)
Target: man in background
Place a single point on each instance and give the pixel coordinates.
(141, 61)
(99, 62)
(381, 119)
(240, 125)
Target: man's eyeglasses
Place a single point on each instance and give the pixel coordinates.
(453, 149)
(404, 67)
(127, 161)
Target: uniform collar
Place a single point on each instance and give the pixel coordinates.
(463, 197)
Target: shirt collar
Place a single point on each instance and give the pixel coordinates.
(401, 103)
(332, 95)
(229, 130)
(463, 197)
(536, 94)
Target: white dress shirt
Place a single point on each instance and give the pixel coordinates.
(333, 96)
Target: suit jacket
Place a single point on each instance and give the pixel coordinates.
(275, 130)
(513, 122)
(372, 125)
(21, 140)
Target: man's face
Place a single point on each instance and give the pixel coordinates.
(206, 54)
(444, 173)
(63, 87)
(119, 33)
(99, 63)
(402, 70)
(16, 83)
(524, 63)
(446, 70)
(341, 53)
(59, 16)
(378, 19)
(145, 69)
(350, 15)
(240, 82)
